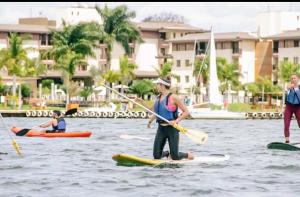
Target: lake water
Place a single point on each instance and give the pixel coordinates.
(83, 166)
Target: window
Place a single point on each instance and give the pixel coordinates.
(235, 47)
(50, 41)
(187, 63)
(174, 35)
(82, 68)
(296, 43)
(296, 60)
(43, 38)
(162, 35)
(187, 78)
(163, 51)
(181, 34)
(275, 46)
(178, 79)
(285, 59)
(178, 63)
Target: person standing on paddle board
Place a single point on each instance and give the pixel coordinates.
(58, 123)
(166, 105)
(292, 102)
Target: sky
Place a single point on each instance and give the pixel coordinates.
(223, 16)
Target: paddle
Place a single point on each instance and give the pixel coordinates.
(23, 132)
(198, 137)
(14, 142)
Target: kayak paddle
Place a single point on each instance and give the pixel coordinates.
(14, 142)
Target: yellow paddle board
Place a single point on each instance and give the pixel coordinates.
(131, 160)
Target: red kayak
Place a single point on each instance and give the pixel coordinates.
(36, 133)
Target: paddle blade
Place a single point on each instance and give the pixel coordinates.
(71, 111)
(16, 146)
(197, 136)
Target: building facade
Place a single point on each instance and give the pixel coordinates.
(238, 47)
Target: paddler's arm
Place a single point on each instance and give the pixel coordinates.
(185, 111)
(45, 125)
(152, 118)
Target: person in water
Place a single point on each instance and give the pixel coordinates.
(292, 101)
(166, 105)
(58, 123)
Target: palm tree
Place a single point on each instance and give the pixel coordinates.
(286, 69)
(117, 27)
(126, 71)
(14, 58)
(71, 46)
(228, 74)
(111, 77)
(166, 70)
(141, 87)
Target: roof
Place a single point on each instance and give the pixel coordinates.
(218, 36)
(160, 26)
(292, 34)
(25, 28)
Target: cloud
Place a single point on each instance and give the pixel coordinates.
(224, 16)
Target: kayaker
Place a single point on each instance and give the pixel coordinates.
(58, 123)
(166, 105)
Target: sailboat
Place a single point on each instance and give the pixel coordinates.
(214, 94)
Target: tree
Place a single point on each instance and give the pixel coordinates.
(71, 46)
(111, 77)
(228, 74)
(86, 92)
(126, 71)
(117, 27)
(166, 70)
(14, 58)
(165, 17)
(141, 87)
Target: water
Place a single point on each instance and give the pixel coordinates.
(83, 166)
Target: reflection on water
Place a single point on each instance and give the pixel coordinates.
(84, 167)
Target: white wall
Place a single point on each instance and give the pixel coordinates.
(183, 71)
(288, 52)
(247, 61)
(146, 55)
(225, 53)
(3, 43)
(76, 15)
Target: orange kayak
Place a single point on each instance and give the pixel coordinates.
(36, 133)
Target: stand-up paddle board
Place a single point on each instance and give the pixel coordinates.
(131, 160)
(284, 146)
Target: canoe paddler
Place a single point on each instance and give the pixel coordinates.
(58, 123)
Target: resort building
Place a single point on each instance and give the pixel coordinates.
(238, 47)
(285, 47)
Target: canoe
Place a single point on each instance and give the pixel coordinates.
(36, 133)
(284, 146)
(131, 160)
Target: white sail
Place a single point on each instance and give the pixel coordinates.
(214, 93)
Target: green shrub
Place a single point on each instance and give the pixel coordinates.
(239, 107)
